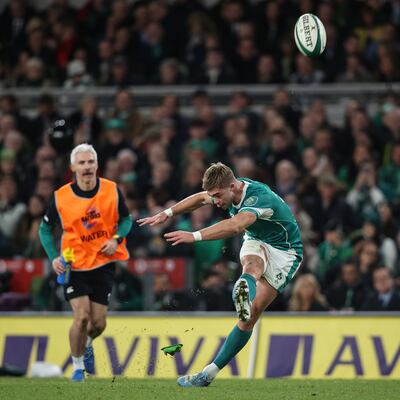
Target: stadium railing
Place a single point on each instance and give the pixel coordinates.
(150, 96)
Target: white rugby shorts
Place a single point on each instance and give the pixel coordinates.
(280, 266)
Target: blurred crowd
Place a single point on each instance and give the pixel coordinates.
(119, 43)
(340, 178)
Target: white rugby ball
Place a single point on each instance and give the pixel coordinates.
(310, 35)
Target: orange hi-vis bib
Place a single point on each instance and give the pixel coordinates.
(88, 223)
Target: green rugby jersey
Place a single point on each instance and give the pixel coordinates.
(275, 224)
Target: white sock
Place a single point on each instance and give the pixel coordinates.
(212, 370)
(77, 363)
(89, 341)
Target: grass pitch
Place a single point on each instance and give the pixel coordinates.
(166, 389)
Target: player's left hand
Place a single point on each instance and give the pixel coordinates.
(178, 237)
(109, 247)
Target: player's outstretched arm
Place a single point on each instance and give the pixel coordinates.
(220, 230)
(186, 205)
(154, 220)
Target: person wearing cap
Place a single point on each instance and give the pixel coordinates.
(77, 76)
(115, 140)
(199, 139)
(115, 124)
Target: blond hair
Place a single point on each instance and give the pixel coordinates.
(296, 301)
(217, 175)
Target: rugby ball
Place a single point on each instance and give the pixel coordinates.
(310, 35)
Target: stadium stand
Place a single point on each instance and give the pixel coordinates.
(161, 89)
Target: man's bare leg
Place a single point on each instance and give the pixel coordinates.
(97, 321)
(96, 326)
(77, 333)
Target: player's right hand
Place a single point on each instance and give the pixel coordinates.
(154, 220)
(58, 266)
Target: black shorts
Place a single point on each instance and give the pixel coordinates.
(97, 284)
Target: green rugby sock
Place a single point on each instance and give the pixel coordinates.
(251, 281)
(232, 345)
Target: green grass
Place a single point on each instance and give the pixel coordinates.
(166, 389)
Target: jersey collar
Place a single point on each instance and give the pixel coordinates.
(246, 185)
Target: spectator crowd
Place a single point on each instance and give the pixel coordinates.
(341, 179)
(341, 182)
(121, 42)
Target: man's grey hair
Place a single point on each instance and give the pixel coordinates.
(82, 148)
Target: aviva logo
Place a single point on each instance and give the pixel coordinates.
(326, 346)
(287, 351)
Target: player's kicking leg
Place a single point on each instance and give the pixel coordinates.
(242, 298)
(245, 288)
(235, 341)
